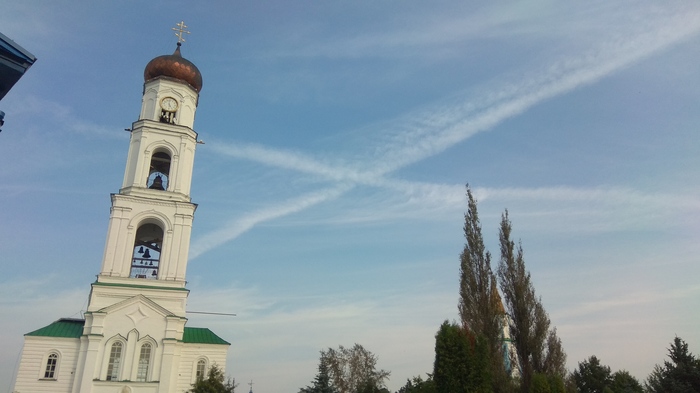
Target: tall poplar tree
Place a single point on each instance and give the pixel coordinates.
(479, 303)
(538, 348)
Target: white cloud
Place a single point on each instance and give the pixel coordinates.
(236, 227)
(62, 118)
(415, 137)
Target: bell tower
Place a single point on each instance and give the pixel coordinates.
(134, 337)
(151, 217)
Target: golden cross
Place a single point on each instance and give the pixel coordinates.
(179, 30)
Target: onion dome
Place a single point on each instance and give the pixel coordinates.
(174, 66)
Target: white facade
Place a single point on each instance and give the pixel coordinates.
(134, 336)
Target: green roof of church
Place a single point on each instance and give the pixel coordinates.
(64, 327)
(202, 336)
(73, 328)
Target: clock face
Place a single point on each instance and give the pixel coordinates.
(168, 104)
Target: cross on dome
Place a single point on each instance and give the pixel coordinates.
(179, 30)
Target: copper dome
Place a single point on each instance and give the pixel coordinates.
(174, 66)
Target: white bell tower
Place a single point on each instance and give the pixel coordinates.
(134, 337)
(151, 217)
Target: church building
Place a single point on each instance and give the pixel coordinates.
(134, 336)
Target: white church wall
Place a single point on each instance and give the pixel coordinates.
(32, 368)
(191, 353)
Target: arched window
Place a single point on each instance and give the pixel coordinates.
(201, 371)
(115, 360)
(51, 366)
(146, 256)
(144, 362)
(159, 172)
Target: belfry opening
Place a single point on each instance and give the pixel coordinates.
(159, 171)
(146, 256)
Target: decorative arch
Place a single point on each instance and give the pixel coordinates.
(149, 105)
(169, 92)
(152, 217)
(148, 339)
(187, 112)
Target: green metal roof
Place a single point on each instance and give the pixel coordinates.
(73, 328)
(64, 327)
(202, 336)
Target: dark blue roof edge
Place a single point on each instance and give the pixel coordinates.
(30, 57)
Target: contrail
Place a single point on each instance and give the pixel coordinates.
(433, 131)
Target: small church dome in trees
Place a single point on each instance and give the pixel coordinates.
(174, 66)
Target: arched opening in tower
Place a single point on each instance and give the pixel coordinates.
(159, 172)
(147, 250)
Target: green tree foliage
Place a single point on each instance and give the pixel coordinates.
(680, 375)
(540, 384)
(479, 302)
(214, 383)
(538, 347)
(556, 383)
(369, 387)
(461, 361)
(322, 381)
(418, 385)
(624, 382)
(353, 370)
(547, 383)
(591, 376)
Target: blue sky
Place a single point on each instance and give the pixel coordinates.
(339, 137)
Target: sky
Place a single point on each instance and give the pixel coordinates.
(339, 137)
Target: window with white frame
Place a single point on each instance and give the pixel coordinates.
(201, 369)
(144, 362)
(51, 366)
(115, 359)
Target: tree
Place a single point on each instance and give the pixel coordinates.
(418, 385)
(353, 370)
(624, 382)
(479, 302)
(214, 383)
(539, 384)
(322, 381)
(681, 374)
(461, 361)
(591, 376)
(538, 347)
